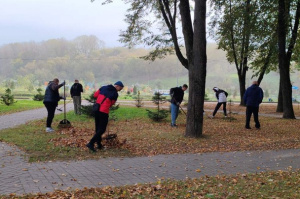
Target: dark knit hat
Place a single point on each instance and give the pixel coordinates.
(119, 83)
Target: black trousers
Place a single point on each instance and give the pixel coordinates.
(249, 111)
(218, 106)
(50, 106)
(101, 121)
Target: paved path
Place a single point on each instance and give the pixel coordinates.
(19, 176)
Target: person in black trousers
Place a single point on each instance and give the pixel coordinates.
(51, 101)
(106, 97)
(252, 98)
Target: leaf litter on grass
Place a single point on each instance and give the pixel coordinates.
(145, 138)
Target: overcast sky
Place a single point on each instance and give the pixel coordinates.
(40, 20)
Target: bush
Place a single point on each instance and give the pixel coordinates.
(159, 114)
(39, 96)
(8, 98)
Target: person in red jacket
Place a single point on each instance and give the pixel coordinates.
(106, 96)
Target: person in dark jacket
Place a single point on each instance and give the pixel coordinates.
(252, 98)
(51, 101)
(106, 96)
(177, 94)
(221, 96)
(75, 92)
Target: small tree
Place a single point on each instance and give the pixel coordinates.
(135, 89)
(7, 98)
(88, 109)
(159, 114)
(39, 96)
(139, 100)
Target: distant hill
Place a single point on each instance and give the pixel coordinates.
(86, 59)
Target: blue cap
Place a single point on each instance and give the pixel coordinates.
(119, 83)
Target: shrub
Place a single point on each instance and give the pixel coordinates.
(7, 98)
(39, 96)
(159, 114)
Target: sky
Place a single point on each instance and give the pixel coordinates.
(40, 20)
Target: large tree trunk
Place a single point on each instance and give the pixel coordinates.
(280, 103)
(284, 65)
(242, 83)
(197, 73)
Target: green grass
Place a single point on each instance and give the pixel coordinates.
(20, 105)
(32, 138)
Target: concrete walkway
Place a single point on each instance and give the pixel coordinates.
(19, 176)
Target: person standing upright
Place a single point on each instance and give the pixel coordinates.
(253, 98)
(221, 96)
(51, 101)
(106, 96)
(75, 92)
(177, 94)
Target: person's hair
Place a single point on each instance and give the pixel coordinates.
(185, 86)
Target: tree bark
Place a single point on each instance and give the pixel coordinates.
(284, 65)
(197, 73)
(280, 103)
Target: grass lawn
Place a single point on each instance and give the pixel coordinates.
(279, 184)
(20, 105)
(138, 136)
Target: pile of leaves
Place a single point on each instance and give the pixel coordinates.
(79, 137)
(142, 137)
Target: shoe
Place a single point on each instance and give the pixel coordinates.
(91, 147)
(211, 116)
(100, 147)
(49, 130)
(174, 125)
(248, 127)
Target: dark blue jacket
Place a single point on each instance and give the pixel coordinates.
(253, 96)
(176, 95)
(51, 93)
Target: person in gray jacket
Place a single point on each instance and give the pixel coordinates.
(51, 101)
(221, 96)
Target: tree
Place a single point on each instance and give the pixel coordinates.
(288, 24)
(246, 30)
(159, 114)
(234, 31)
(8, 98)
(167, 41)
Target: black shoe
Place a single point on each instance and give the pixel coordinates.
(174, 125)
(100, 147)
(91, 147)
(248, 127)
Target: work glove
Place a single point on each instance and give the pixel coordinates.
(63, 83)
(177, 103)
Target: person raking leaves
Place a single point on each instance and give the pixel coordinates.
(106, 97)
(177, 94)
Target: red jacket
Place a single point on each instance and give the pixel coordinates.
(111, 94)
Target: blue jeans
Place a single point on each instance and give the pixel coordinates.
(174, 113)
